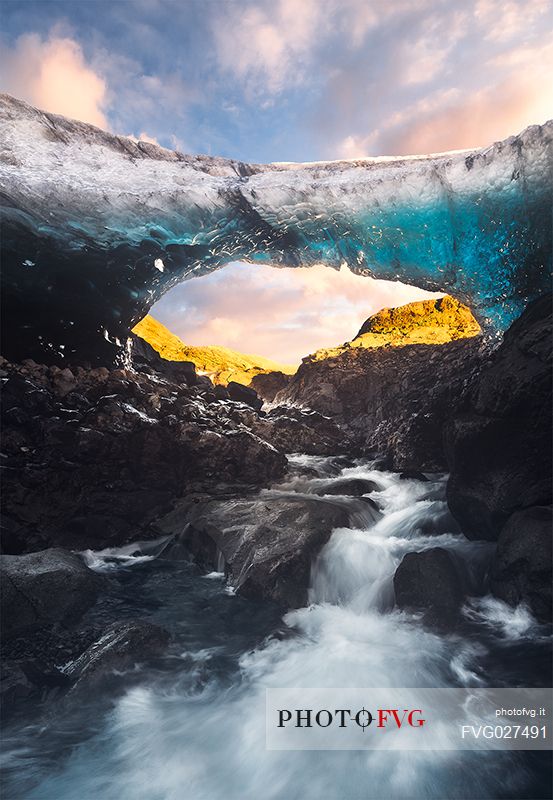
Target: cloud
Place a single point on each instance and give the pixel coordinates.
(276, 45)
(269, 46)
(52, 73)
(141, 100)
(110, 89)
(282, 314)
(452, 119)
(504, 20)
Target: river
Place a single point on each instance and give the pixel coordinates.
(191, 725)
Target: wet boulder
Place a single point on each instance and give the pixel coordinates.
(267, 544)
(244, 394)
(351, 487)
(48, 588)
(413, 475)
(119, 648)
(221, 392)
(521, 568)
(430, 581)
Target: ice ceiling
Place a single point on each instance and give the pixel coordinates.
(97, 227)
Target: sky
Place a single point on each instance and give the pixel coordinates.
(285, 80)
(294, 312)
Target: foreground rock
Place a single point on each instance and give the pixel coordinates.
(267, 544)
(93, 456)
(522, 566)
(350, 487)
(499, 444)
(120, 647)
(430, 581)
(45, 589)
(21, 681)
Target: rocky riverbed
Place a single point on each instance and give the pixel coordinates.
(156, 528)
(172, 651)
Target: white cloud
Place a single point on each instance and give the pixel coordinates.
(269, 47)
(53, 74)
(505, 19)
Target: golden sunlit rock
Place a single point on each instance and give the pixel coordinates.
(219, 363)
(424, 322)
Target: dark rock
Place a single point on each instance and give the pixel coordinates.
(268, 384)
(267, 544)
(23, 681)
(430, 581)
(97, 466)
(221, 392)
(143, 355)
(244, 394)
(370, 502)
(15, 687)
(298, 430)
(203, 381)
(351, 487)
(119, 648)
(521, 568)
(391, 400)
(43, 589)
(499, 446)
(412, 475)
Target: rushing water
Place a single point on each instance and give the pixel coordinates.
(191, 726)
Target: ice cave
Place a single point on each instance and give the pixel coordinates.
(117, 223)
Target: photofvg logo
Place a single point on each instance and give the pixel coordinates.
(408, 719)
(382, 717)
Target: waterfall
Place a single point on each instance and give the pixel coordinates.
(170, 737)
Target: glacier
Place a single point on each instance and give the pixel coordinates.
(96, 227)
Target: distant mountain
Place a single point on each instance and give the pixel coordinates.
(219, 363)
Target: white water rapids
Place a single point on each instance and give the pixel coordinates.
(170, 740)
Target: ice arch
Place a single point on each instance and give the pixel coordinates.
(97, 227)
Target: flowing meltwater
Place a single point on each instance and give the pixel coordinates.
(192, 725)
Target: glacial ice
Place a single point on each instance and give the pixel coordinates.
(98, 215)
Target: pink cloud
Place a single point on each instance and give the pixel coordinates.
(453, 120)
(283, 314)
(53, 75)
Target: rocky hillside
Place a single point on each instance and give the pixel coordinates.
(425, 322)
(220, 364)
(395, 384)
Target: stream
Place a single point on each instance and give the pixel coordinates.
(191, 724)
